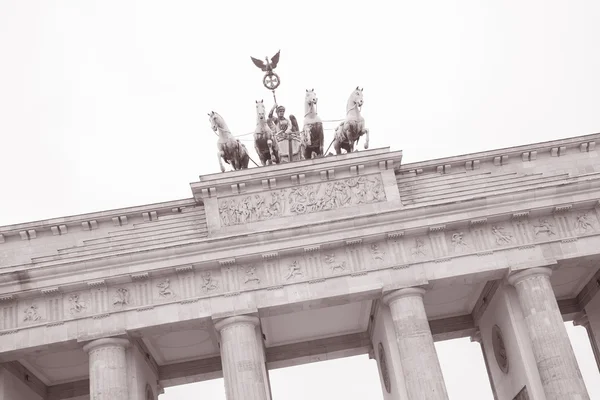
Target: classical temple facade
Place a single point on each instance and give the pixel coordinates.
(299, 262)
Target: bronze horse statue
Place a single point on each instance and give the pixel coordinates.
(349, 132)
(312, 133)
(230, 149)
(264, 140)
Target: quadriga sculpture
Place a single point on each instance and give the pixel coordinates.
(230, 149)
(312, 138)
(349, 132)
(264, 139)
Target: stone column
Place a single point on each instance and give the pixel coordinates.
(241, 359)
(422, 372)
(108, 369)
(559, 372)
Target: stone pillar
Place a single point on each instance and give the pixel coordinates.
(422, 372)
(108, 369)
(556, 363)
(241, 359)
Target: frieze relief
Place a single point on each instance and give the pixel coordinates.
(311, 265)
(76, 304)
(294, 271)
(209, 283)
(121, 297)
(164, 289)
(301, 200)
(32, 314)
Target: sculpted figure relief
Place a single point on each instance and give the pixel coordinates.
(294, 270)
(583, 223)
(301, 200)
(121, 297)
(419, 249)
(164, 288)
(544, 227)
(31, 314)
(251, 275)
(333, 264)
(349, 132)
(458, 242)
(501, 236)
(376, 252)
(231, 150)
(77, 305)
(208, 283)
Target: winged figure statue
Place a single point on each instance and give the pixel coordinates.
(267, 66)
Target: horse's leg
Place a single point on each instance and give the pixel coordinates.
(366, 132)
(220, 156)
(270, 144)
(337, 146)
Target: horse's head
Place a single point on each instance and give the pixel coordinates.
(213, 117)
(311, 97)
(260, 111)
(357, 96)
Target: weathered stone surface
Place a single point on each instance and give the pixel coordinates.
(560, 374)
(422, 372)
(241, 358)
(108, 369)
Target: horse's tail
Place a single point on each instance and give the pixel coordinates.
(294, 121)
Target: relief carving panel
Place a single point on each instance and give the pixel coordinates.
(301, 200)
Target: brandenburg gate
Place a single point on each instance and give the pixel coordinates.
(269, 267)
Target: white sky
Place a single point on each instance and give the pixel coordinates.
(103, 104)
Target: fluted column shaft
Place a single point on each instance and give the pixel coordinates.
(108, 369)
(556, 363)
(422, 372)
(240, 356)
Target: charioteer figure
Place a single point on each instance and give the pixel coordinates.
(286, 133)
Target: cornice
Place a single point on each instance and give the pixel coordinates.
(521, 153)
(60, 224)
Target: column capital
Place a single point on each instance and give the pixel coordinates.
(104, 342)
(238, 319)
(400, 293)
(519, 276)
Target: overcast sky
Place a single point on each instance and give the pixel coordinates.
(103, 104)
